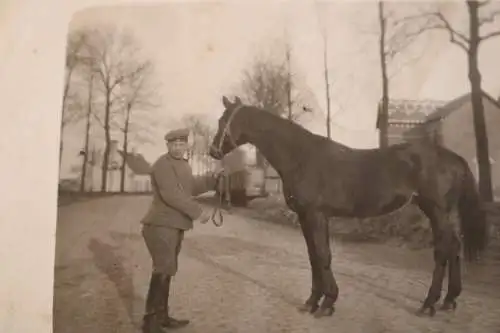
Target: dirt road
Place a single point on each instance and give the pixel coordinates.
(247, 276)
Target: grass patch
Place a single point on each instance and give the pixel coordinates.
(408, 227)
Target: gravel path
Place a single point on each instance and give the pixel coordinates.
(247, 276)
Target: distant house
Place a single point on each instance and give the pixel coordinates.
(449, 124)
(409, 119)
(137, 178)
(136, 171)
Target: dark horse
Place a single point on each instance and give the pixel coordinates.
(322, 178)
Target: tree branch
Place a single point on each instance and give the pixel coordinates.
(442, 23)
(114, 124)
(98, 120)
(121, 75)
(490, 35)
(490, 18)
(455, 36)
(483, 3)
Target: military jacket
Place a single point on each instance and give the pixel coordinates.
(174, 188)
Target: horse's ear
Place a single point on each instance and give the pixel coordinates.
(226, 102)
(237, 101)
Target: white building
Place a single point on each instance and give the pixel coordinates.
(136, 170)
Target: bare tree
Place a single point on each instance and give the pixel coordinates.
(87, 134)
(395, 36)
(202, 138)
(138, 96)
(269, 84)
(202, 135)
(76, 42)
(327, 83)
(114, 57)
(470, 43)
(384, 108)
(327, 87)
(72, 105)
(265, 86)
(289, 81)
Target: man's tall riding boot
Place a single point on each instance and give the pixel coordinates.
(168, 321)
(152, 317)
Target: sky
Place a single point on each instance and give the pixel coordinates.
(201, 49)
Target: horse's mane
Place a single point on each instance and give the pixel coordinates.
(276, 119)
(292, 128)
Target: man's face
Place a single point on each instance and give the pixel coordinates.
(177, 148)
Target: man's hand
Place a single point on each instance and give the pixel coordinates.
(204, 217)
(215, 174)
(219, 172)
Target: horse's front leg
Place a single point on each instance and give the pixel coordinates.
(312, 303)
(321, 240)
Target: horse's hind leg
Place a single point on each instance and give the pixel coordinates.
(454, 274)
(434, 293)
(442, 237)
(311, 304)
(321, 240)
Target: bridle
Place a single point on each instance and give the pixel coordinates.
(226, 131)
(218, 209)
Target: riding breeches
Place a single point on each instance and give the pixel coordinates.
(164, 245)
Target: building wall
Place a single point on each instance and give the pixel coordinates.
(403, 132)
(133, 182)
(399, 133)
(456, 132)
(459, 136)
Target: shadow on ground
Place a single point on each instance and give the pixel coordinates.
(108, 262)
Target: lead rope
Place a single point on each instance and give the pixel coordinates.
(217, 212)
(218, 208)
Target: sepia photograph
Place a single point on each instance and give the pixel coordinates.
(279, 166)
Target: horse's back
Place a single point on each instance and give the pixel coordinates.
(404, 166)
(336, 155)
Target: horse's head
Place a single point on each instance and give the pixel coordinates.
(229, 134)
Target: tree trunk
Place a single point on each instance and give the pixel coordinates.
(87, 135)
(289, 83)
(125, 149)
(327, 88)
(65, 98)
(105, 162)
(124, 163)
(383, 118)
(482, 146)
(60, 149)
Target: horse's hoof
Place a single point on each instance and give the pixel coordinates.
(306, 307)
(449, 305)
(323, 312)
(422, 311)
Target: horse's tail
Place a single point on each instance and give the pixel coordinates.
(473, 220)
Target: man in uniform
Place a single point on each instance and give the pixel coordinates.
(172, 212)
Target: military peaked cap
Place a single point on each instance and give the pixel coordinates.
(181, 134)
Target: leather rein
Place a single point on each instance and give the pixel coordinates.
(217, 212)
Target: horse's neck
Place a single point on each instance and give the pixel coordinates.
(280, 147)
